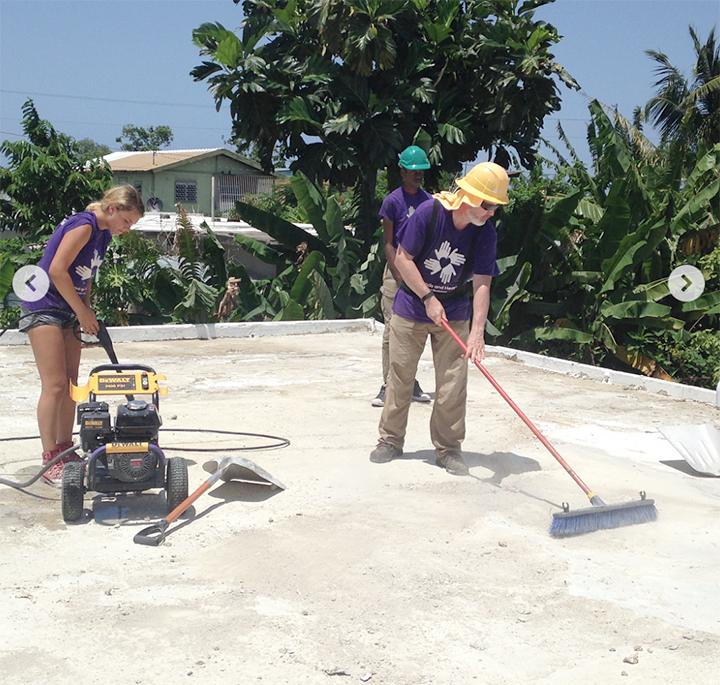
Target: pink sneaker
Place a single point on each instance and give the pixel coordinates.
(53, 476)
(73, 456)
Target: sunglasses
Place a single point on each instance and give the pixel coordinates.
(488, 207)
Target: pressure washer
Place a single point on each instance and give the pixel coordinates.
(122, 455)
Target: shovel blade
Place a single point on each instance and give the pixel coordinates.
(241, 469)
(698, 445)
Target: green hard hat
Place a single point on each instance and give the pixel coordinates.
(414, 158)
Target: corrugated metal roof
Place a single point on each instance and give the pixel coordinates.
(149, 161)
(153, 160)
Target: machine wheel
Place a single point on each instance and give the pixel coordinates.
(176, 483)
(73, 490)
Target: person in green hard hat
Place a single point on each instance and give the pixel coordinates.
(397, 207)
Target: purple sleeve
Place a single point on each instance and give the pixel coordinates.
(387, 209)
(486, 252)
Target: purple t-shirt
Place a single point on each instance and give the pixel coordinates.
(83, 267)
(450, 259)
(399, 206)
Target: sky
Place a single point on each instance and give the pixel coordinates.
(93, 66)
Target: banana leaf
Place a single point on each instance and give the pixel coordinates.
(642, 363)
(707, 301)
(615, 223)
(504, 263)
(292, 311)
(633, 249)
(263, 310)
(259, 249)
(213, 254)
(654, 291)
(515, 292)
(325, 306)
(558, 215)
(7, 271)
(303, 283)
(283, 231)
(698, 203)
(585, 276)
(566, 333)
(634, 309)
(333, 219)
(312, 203)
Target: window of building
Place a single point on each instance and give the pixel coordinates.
(186, 191)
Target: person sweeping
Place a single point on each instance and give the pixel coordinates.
(446, 259)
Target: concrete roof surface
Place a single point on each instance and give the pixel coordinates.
(396, 574)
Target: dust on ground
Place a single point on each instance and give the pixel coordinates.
(394, 574)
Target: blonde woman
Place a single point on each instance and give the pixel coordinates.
(71, 258)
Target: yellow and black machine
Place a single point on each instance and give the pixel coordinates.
(121, 455)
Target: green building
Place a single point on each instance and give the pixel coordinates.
(206, 181)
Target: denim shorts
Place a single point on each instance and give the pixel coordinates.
(59, 318)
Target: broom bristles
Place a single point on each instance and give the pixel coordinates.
(601, 517)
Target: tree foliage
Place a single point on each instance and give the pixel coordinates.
(89, 149)
(587, 256)
(687, 111)
(324, 274)
(137, 138)
(46, 178)
(341, 86)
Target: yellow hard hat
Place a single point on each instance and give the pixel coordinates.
(486, 181)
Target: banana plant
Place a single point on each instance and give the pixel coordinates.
(588, 265)
(323, 272)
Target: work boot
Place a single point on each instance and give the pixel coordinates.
(419, 395)
(53, 476)
(384, 452)
(452, 462)
(379, 401)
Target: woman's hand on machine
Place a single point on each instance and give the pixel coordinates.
(88, 321)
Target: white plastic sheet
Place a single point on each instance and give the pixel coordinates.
(698, 445)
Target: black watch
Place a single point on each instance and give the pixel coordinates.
(427, 296)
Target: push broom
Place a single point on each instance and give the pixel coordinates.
(597, 517)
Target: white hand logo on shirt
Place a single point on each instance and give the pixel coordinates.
(96, 261)
(86, 272)
(454, 258)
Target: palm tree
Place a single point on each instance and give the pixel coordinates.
(687, 111)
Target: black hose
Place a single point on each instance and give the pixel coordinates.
(52, 462)
(279, 443)
(106, 342)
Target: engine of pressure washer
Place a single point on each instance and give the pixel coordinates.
(127, 456)
(137, 421)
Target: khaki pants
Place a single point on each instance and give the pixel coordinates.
(407, 341)
(387, 295)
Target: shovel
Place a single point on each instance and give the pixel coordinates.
(699, 446)
(230, 468)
